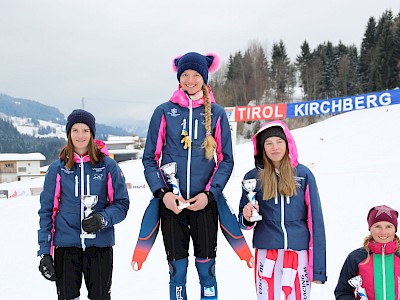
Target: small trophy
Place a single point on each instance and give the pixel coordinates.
(170, 171)
(356, 283)
(89, 201)
(249, 185)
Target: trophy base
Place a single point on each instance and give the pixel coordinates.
(88, 235)
(256, 218)
(183, 205)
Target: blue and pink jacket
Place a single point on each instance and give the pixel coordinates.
(163, 145)
(294, 222)
(380, 272)
(194, 172)
(60, 204)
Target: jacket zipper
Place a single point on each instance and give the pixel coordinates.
(80, 199)
(383, 272)
(285, 238)
(189, 160)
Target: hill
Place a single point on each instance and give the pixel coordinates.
(353, 157)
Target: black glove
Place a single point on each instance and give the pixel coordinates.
(210, 196)
(160, 193)
(93, 223)
(46, 267)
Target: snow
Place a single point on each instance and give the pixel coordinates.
(352, 155)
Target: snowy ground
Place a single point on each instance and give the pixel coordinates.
(354, 156)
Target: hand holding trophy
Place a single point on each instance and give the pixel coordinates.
(89, 201)
(170, 171)
(249, 185)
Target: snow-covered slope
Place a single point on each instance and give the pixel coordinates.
(354, 157)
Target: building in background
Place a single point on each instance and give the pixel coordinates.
(122, 148)
(20, 166)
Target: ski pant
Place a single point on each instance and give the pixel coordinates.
(202, 227)
(94, 263)
(206, 271)
(282, 275)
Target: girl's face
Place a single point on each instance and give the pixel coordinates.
(383, 232)
(80, 137)
(191, 81)
(275, 149)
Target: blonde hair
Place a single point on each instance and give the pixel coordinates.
(369, 238)
(285, 182)
(209, 143)
(67, 152)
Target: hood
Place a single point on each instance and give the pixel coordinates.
(179, 97)
(293, 155)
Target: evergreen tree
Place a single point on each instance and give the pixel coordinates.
(385, 62)
(366, 57)
(282, 73)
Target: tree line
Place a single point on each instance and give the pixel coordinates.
(327, 71)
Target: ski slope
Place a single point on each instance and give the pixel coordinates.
(354, 156)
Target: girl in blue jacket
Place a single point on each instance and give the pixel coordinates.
(84, 196)
(290, 238)
(192, 132)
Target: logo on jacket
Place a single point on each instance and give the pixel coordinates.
(97, 176)
(298, 181)
(66, 171)
(174, 113)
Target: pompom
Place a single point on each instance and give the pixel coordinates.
(215, 64)
(175, 63)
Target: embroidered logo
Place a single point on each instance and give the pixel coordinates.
(97, 170)
(174, 113)
(97, 176)
(66, 171)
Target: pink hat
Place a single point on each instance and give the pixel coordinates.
(382, 213)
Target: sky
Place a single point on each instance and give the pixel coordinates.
(114, 58)
(354, 157)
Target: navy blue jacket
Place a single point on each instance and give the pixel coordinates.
(60, 204)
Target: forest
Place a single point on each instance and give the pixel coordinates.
(253, 77)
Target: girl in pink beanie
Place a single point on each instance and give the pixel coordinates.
(373, 271)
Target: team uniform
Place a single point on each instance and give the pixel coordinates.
(290, 239)
(195, 174)
(61, 215)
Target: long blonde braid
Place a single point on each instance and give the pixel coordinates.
(209, 143)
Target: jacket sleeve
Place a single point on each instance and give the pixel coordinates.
(343, 290)
(224, 153)
(48, 196)
(153, 151)
(317, 249)
(117, 194)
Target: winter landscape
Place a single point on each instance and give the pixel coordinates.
(354, 156)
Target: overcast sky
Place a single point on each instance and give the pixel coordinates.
(117, 54)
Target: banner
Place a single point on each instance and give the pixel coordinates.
(316, 107)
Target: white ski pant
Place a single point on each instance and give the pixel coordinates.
(282, 275)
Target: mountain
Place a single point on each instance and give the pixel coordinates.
(36, 119)
(29, 126)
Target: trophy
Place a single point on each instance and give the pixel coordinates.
(89, 201)
(356, 283)
(170, 171)
(249, 185)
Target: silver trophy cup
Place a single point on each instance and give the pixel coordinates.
(249, 185)
(170, 171)
(89, 201)
(356, 282)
